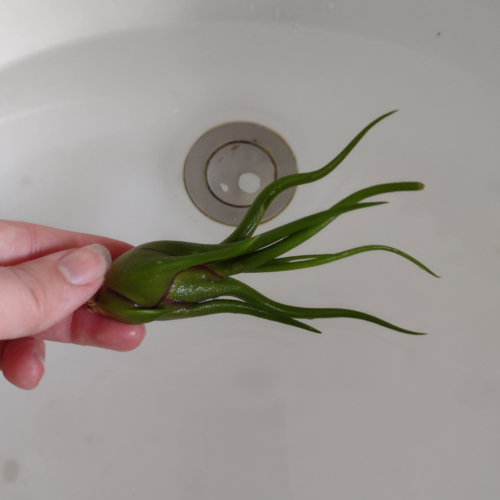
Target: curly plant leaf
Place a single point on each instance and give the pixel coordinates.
(258, 208)
(305, 261)
(164, 280)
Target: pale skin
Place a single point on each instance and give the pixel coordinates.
(46, 277)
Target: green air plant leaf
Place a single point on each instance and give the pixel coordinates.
(165, 280)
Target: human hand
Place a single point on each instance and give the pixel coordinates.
(46, 276)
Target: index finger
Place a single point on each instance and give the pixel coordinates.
(21, 241)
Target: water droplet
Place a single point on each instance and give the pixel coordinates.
(176, 110)
(331, 5)
(277, 14)
(294, 28)
(251, 7)
(224, 187)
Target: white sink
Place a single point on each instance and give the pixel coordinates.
(99, 106)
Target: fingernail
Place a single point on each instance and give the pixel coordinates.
(84, 265)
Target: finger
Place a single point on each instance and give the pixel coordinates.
(38, 293)
(87, 329)
(20, 241)
(22, 362)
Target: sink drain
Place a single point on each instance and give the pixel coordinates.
(231, 164)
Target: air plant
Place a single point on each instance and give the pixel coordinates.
(165, 280)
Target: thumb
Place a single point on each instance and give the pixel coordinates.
(36, 294)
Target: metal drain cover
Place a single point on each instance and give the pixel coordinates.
(231, 164)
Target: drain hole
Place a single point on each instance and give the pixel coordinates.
(230, 165)
(249, 183)
(236, 171)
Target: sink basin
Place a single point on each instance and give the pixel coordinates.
(99, 107)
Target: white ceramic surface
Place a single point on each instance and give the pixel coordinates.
(99, 105)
